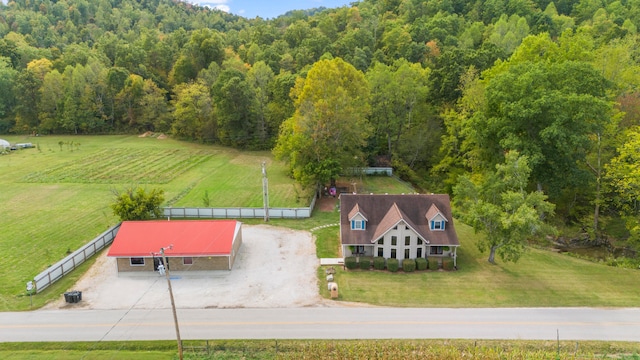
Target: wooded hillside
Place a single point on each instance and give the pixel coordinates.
(436, 88)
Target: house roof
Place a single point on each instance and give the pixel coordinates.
(188, 237)
(386, 211)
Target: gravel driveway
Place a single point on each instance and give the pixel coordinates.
(276, 267)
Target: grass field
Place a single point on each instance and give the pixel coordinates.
(324, 349)
(56, 197)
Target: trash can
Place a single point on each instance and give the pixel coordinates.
(73, 296)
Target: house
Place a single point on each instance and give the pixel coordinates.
(189, 245)
(397, 226)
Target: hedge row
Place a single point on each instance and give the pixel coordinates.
(393, 265)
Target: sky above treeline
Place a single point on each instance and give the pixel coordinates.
(268, 9)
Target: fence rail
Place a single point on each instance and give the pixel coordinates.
(240, 212)
(66, 265)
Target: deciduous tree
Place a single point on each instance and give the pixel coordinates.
(138, 204)
(499, 206)
(329, 127)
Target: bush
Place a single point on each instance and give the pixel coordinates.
(378, 263)
(392, 265)
(422, 264)
(408, 265)
(447, 264)
(433, 264)
(350, 262)
(365, 263)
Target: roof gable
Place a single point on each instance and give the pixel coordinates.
(434, 212)
(188, 237)
(355, 211)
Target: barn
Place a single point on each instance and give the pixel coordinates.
(189, 245)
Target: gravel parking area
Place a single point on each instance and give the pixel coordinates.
(276, 267)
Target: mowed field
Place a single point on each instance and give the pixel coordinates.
(56, 196)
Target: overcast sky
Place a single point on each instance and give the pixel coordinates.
(268, 9)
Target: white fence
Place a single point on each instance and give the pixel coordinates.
(66, 265)
(240, 213)
(387, 171)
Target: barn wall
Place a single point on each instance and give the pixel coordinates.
(235, 248)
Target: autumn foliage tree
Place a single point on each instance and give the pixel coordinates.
(329, 128)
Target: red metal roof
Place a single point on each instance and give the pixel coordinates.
(188, 237)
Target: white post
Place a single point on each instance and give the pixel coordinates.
(265, 191)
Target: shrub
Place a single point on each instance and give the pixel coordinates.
(433, 264)
(365, 263)
(378, 263)
(422, 264)
(447, 264)
(392, 265)
(350, 262)
(408, 265)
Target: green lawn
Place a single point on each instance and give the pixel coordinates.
(541, 278)
(56, 197)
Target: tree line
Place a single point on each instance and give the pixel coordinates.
(438, 89)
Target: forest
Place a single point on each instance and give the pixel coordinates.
(442, 90)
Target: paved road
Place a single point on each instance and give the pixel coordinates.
(323, 323)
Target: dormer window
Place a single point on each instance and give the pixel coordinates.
(437, 225)
(436, 219)
(358, 225)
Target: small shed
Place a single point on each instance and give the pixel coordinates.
(189, 245)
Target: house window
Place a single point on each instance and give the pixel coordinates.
(407, 240)
(380, 252)
(407, 252)
(137, 261)
(381, 241)
(394, 240)
(437, 225)
(357, 225)
(419, 252)
(419, 241)
(187, 261)
(406, 227)
(435, 250)
(393, 253)
(395, 227)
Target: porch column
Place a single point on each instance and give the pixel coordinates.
(455, 257)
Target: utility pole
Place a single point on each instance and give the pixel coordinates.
(165, 269)
(265, 191)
